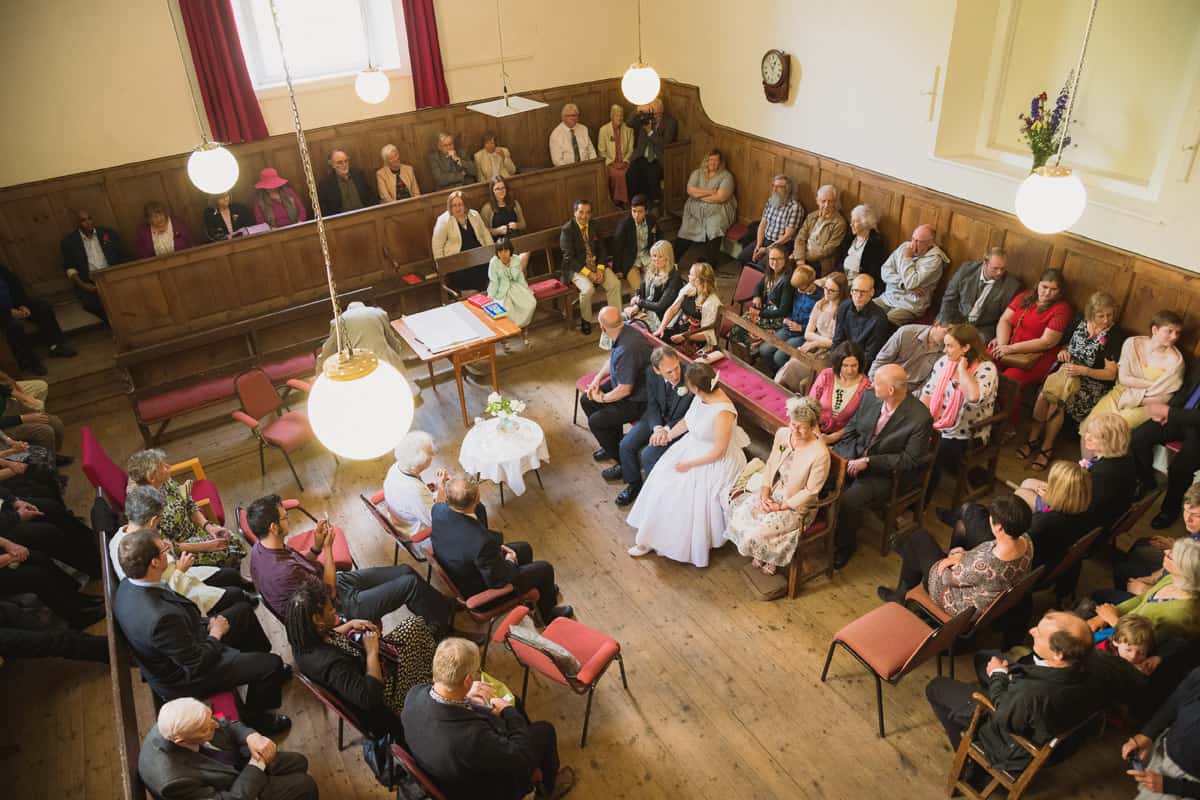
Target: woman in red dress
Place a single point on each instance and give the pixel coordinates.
(1028, 333)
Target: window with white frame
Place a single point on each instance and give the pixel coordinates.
(323, 38)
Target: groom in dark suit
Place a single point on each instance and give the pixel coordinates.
(477, 558)
(890, 431)
(647, 440)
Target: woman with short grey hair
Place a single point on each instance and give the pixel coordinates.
(863, 250)
(409, 499)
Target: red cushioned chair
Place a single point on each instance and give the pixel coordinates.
(302, 542)
(581, 387)
(551, 289)
(288, 432)
(594, 650)
(409, 765)
(344, 715)
(111, 481)
(485, 607)
(743, 293)
(890, 641)
(413, 545)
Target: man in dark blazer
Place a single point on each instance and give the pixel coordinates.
(1177, 421)
(345, 189)
(890, 431)
(84, 250)
(477, 559)
(649, 438)
(473, 745)
(634, 237)
(653, 129)
(584, 263)
(17, 306)
(969, 284)
(179, 758)
(182, 654)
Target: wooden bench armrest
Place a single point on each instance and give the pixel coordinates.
(454, 293)
(987, 424)
(808, 359)
(205, 506)
(191, 465)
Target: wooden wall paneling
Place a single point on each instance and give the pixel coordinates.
(205, 290)
(754, 183)
(838, 176)
(1091, 269)
(31, 241)
(886, 203)
(915, 211)
(1154, 289)
(257, 278)
(357, 247)
(966, 239)
(215, 353)
(286, 335)
(407, 236)
(803, 171)
(88, 194)
(1028, 255)
(137, 303)
(132, 189)
(306, 268)
(677, 168)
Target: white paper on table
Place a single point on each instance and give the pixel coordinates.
(446, 327)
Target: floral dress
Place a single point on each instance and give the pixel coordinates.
(1091, 352)
(176, 524)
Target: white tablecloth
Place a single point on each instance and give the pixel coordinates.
(497, 455)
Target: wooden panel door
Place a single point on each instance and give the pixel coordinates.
(33, 233)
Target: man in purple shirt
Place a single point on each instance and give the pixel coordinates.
(279, 571)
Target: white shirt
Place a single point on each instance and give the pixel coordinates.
(987, 285)
(852, 264)
(190, 584)
(561, 151)
(95, 254)
(409, 501)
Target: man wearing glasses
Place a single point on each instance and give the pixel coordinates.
(911, 274)
(861, 321)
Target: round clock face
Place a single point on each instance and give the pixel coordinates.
(772, 67)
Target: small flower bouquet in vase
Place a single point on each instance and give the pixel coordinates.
(504, 409)
(1041, 128)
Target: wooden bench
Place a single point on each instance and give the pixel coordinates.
(156, 404)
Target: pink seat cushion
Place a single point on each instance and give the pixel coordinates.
(1174, 447)
(185, 398)
(302, 542)
(817, 527)
(593, 649)
(224, 705)
(301, 364)
(584, 382)
(755, 386)
(101, 471)
(291, 431)
(207, 490)
(552, 287)
(885, 637)
(736, 231)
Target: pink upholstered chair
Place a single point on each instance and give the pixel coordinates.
(379, 511)
(581, 387)
(111, 481)
(303, 541)
(409, 765)
(287, 432)
(594, 650)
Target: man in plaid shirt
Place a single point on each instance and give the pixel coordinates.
(780, 219)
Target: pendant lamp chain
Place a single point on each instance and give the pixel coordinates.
(1062, 141)
(343, 341)
(639, 30)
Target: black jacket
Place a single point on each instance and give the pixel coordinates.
(875, 252)
(470, 552)
(574, 252)
(625, 242)
(239, 215)
(903, 441)
(467, 751)
(1053, 533)
(664, 405)
(656, 138)
(1113, 482)
(331, 197)
(74, 255)
(659, 298)
(346, 678)
(777, 300)
(1178, 413)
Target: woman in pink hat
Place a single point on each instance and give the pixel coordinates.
(276, 203)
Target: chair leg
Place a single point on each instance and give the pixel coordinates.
(341, 734)
(487, 643)
(587, 717)
(395, 553)
(539, 477)
(501, 493)
(524, 688)
(621, 664)
(575, 415)
(292, 467)
(793, 576)
(262, 458)
(879, 702)
(950, 655)
(828, 659)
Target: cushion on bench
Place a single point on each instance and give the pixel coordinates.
(299, 364)
(736, 231)
(551, 287)
(753, 385)
(185, 398)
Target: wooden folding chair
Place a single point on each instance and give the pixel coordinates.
(983, 458)
(1015, 784)
(905, 505)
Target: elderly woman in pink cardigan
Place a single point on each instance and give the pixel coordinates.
(839, 389)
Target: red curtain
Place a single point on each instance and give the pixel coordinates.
(229, 99)
(429, 80)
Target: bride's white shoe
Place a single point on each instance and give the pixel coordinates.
(638, 550)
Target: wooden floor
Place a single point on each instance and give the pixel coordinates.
(724, 701)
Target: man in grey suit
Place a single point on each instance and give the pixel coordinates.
(979, 292)
(889, 432)
(187, 754)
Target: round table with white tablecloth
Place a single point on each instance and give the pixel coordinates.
(504, 452)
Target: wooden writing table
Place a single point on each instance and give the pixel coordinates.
(469, 353)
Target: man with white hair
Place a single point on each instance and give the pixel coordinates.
(570, 142)
(395, 180)
(176, 759)
(780, 219)
(409, 499)
(448, 166)
(822, 233)
(911, 274)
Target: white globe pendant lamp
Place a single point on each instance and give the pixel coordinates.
(641, 83)
(360, 407)
(1053, 198)
(212, 168)
(372, 85)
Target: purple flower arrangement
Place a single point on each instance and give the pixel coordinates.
(1040, 128)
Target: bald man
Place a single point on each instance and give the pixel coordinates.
(890, 431)
(176, 761)
(1038, 701)
(618, 392)
(911, 274)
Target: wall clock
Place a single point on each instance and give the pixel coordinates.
(776, 70)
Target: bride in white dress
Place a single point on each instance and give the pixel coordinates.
(680, 512)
